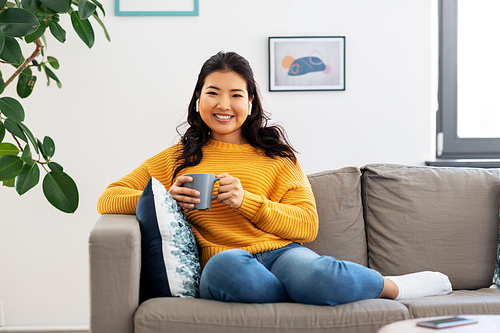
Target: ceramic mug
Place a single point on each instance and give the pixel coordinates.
(203, 183)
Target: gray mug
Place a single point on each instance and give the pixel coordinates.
(203, 183)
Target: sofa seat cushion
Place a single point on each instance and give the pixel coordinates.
(437, 219)
(196, 315)
(481, 301)
(340, 211)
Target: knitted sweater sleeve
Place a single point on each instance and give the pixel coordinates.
(293, 217)
(121, 197)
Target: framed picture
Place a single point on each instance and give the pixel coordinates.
(306, 63)
(156, 8)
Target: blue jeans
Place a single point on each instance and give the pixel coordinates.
(289, 274)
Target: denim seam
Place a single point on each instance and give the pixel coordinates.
(260, 257)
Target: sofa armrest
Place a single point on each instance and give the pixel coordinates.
(115, 264)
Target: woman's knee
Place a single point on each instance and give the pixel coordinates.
(222, 265)
(227, 259)
(236, 276)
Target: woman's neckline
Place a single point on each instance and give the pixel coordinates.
(226, 145)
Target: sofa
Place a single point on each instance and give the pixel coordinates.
(395, 219)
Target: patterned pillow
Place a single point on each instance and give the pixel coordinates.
(170, 264)
(496, 275)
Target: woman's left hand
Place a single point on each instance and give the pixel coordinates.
(231, 192)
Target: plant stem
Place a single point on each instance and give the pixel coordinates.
(21, 68)
(18, 143)
(21, 149)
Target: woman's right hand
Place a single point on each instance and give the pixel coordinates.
(184, 195)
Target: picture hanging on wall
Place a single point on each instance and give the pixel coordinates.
(156, 8)
(306, 63)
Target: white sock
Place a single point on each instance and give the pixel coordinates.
(421, 284)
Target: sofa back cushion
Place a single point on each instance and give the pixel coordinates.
(341, 225)
(425, 218)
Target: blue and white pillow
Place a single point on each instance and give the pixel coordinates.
(496, 275)
(170, 263)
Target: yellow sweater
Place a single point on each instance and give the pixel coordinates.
(278, 207)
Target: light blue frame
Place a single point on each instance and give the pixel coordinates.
(194, 12)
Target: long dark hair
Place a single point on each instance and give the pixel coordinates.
(271, 139)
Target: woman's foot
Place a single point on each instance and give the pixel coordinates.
(415, 285)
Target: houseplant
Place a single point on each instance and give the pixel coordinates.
(27, 21)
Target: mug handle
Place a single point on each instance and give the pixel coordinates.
(214, 196)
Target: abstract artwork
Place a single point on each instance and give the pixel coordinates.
(306, 63)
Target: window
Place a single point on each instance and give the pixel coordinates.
(468, 119)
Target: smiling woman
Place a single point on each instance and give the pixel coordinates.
(224, 105)
(265, 206)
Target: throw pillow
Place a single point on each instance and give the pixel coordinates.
(496, 275)
(170, 264)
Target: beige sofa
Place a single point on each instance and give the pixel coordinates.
(395, 219)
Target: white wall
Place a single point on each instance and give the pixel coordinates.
(121, 102)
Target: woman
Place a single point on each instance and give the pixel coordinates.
(250, 240)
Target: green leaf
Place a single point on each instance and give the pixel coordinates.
(38, 66)
(29, 135)
(55, 17)
(57, 168)
(2, 85)
(17, 22)
(46, 10)
(50, 74)
(31, 5)
(37, 34)
(11, 108)
(11, 52)
(7, 148)
(27, 71)
(9, 182)
(2, 41)
(103, 27)
(27, 179)
(61, 191)
(2, 131)
(25, 84)
(10, 166)
(83, 29)
(49, 147)
(60, 6)
(53, 62)
(57, 31)
(3, 3)
(86, 9)
(40, 147)
(100, 6)
(26, 156)
(13, 127)
(44, 43)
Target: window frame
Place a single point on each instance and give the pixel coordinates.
(449, 145)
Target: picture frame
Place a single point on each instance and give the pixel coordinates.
(306, 63)
(156, 8)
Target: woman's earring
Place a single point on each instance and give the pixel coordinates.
(198, 105)
(249, 108)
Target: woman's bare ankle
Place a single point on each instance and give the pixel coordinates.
(390, 291)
